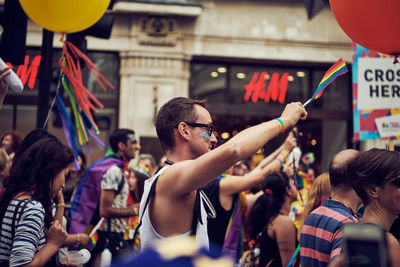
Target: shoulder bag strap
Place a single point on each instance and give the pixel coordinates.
(119, 189)
(211, 213)
(149, 196)
(208, 206)
(13, 226)
(196, 214)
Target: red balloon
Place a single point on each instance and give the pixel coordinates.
(374, 24)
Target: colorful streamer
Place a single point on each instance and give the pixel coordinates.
(337, 69)
(83, 126)
(294, 256)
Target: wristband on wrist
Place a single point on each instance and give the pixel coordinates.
(61, 204)
(280, 161)
(281, 124)
(78, 239)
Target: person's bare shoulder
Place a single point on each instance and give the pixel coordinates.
(283, 221)
(283, 226)
(394, 250)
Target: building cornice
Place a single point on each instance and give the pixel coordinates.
(170, 9)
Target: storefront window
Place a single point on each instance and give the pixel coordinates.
(106, 62)
(19, 109)
(240, 95)
(210, 81)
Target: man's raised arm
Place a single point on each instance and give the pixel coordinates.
(186, 176)
(235, 184)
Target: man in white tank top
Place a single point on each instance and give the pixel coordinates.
(184, 128)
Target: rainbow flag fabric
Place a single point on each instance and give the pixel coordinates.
(304, 180)
(94, 236)
(337, 69)
(93, 240)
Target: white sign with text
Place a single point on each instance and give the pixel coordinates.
(378, 83)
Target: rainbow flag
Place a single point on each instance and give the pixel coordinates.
(337, 69)
(304, 180)
(93, 236)
(93, 240)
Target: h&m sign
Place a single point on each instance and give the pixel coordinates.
(257, 88)
(27, 72)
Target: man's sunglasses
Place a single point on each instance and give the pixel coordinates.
(209, 127)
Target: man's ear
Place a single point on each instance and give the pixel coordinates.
(183, 131)
(372, 191)
(121, 146)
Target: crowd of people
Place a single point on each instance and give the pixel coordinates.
(52, 199)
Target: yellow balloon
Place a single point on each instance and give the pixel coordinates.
(65, 16)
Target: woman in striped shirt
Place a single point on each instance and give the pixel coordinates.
(28, 234)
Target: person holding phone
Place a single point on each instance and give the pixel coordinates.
(29, 235)
(375, 176)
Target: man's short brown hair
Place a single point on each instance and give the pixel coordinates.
(375, 167)
(176, 110)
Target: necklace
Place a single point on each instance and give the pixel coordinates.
(168, 162)
(335, 199)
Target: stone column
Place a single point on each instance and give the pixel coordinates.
(148, 80)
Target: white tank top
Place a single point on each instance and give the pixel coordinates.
(147, 232)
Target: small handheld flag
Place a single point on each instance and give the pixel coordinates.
(93, 236)
(337, 69)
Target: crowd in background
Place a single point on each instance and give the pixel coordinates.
(279, 213)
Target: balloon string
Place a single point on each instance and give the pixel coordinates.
(54, 100)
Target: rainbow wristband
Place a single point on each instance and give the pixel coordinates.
(281, 123)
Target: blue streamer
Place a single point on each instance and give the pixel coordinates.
(71, 127)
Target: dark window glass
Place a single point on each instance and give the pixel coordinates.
(209, 81)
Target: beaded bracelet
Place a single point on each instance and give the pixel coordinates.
(281, 123)
(78, 239)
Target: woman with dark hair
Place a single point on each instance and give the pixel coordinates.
(29, 139)
(58, 202)
(28, 234)
(375, 176)
(4, 168)
(270, 225)
(10, 141)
